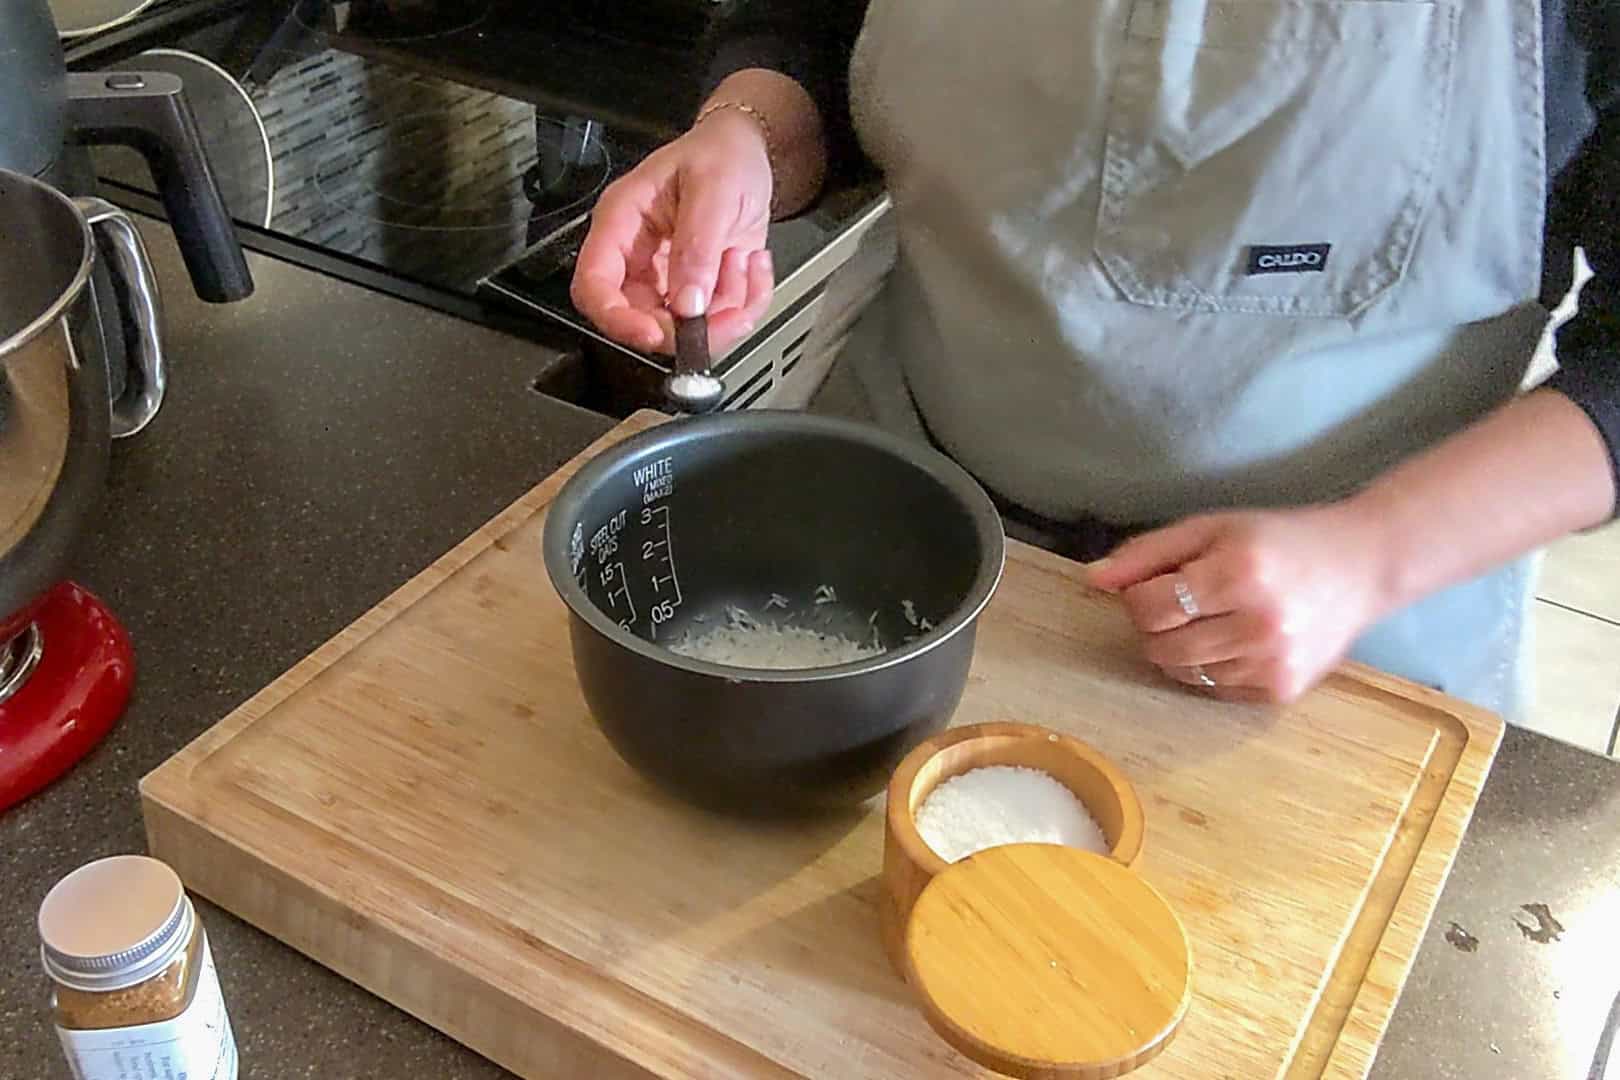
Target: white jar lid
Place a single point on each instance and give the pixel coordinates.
(113, 923)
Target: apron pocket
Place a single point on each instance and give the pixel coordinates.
(1272, 157)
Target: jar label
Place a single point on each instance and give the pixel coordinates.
(196, 1045)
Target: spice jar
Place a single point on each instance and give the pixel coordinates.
(136, 994)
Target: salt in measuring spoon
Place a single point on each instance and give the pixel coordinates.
(692, 387)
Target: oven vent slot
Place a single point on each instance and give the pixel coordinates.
(793, 353)
(759, 383)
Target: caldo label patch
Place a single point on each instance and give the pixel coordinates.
(1288, 258)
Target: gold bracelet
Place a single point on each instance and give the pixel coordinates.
(765, 129)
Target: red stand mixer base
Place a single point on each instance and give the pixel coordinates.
(71, 698)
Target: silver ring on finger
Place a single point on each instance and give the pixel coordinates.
(1202, 676)
(1185, 597)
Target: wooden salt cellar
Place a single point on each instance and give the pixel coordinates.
(1035, 960)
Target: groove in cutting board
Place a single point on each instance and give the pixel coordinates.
(1376, 923)
(424, 806)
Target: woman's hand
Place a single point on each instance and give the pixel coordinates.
(1262, 604)
(683, 231)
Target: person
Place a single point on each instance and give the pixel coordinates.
(1240, 294)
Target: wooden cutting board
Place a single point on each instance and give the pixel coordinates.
(424, 805)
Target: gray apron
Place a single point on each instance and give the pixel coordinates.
(1158, 257)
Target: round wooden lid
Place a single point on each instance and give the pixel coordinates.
(1044, 961)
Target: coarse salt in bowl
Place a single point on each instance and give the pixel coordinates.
(1004, 775)
(1005, 804)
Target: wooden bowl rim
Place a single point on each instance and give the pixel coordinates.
(902, 826)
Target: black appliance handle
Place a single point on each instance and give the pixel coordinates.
(147, 110)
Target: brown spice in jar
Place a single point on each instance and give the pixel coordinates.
(164, 996)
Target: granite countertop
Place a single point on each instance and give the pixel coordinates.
(1520, 970)
(322, 443)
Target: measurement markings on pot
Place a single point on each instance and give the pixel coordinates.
(605, 545)
(576, 553)
(656, 481)
(635, 555)
(658, 558)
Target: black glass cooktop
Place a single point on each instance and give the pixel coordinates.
(375, 159)
(439, 144)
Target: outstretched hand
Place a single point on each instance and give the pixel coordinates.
(683, 232)
(1262, 605)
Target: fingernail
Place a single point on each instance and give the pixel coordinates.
(690, 302)
(1100, 565)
